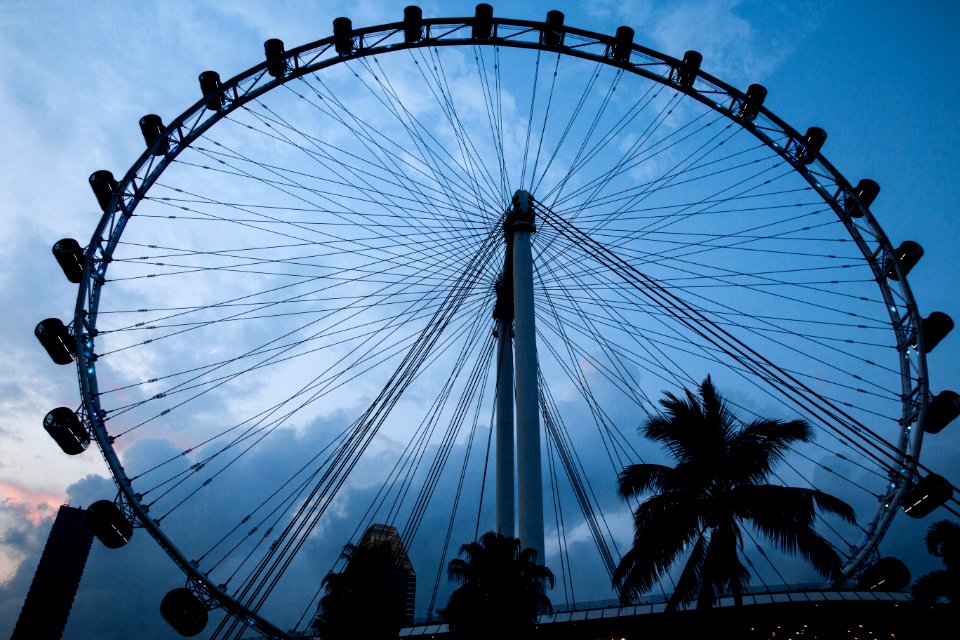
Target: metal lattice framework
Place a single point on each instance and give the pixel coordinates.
(312, 58)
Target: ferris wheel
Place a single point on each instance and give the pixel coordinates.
(301, 299)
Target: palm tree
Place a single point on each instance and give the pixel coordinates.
(502, 589)
(718, 485)
(368, 598)
(943, 541)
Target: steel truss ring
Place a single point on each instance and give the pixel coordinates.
(832, 187)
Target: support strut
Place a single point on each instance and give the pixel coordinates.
(503, 313)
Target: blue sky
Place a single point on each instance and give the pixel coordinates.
(878, 77)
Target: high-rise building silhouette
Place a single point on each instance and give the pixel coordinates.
(404, 577)
(47, 607)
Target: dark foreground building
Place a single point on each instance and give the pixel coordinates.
(48, 603)
(404, 577)
(806, 615)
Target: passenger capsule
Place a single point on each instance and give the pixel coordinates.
(70, 257)
(482, 22)
(689, 68)
(108, 523)
(753, 101)
(104, 186)
(274, 53)
(184, 612)
(926, 495)
(864, 193)
(412, 24)
(622, 44)
(552, 34)
(151, 126)
(810, 144)
(56, 339)
(343, 36)
(934, 328)
(942, 410)
(886, 575)
(907, 255)
(210, 87)
(64, 426)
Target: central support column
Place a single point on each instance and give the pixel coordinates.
(529, 476)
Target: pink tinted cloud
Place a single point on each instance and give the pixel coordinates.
(35, 504)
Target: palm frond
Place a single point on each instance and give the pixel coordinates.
(664, 526)
(931, 588)
(799, 505)
(943, 541)
(639, 478)
(783, 532)
(761, 444)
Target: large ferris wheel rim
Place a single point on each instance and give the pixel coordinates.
(503, 32)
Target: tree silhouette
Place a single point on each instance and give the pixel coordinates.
(943, 541)
(502, 589)
(718, 485)
(365, 600)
